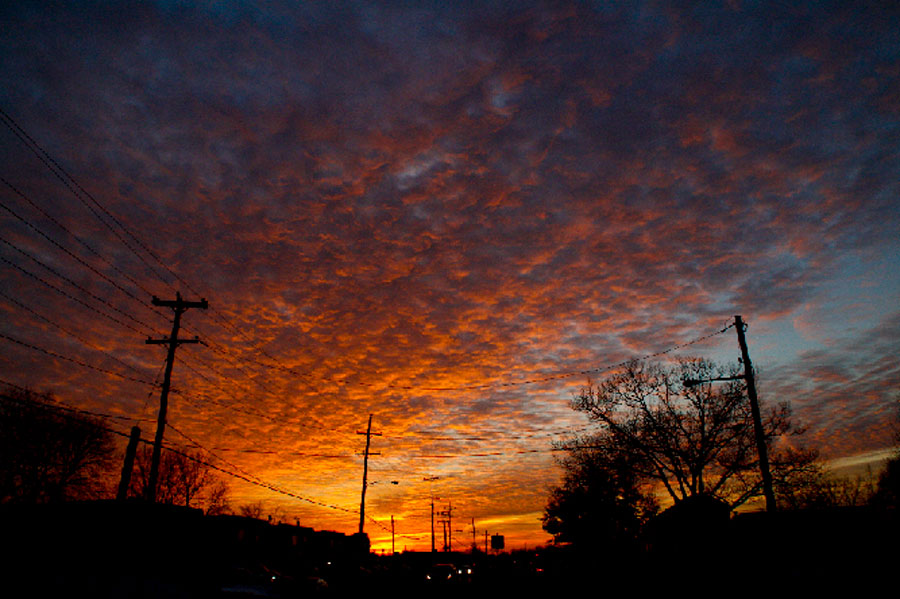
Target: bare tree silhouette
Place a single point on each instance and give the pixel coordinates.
(49, 453)
(691, 440)
(184, 479)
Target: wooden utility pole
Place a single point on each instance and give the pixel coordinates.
(179, 306)
(128, 466)
(768, 492)
(448, 540)
(362, 501)
(393, 550)
(431, 479)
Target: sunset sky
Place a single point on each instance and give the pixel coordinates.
(449, 216)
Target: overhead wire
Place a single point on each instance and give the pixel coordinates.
(69, 332)
(69, 182)
(63, 406)
(76, 285)
(74, 360)
(67, 251)
(77, 238)
(247, 478)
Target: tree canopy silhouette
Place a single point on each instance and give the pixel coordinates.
(49, 453)
(184, 479)
(887, 494)
(600, 503)
(690, 440)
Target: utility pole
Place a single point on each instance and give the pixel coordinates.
(432, 524)
(448, 541)
(362, 502)
(769, 494)
(128, 466)
(179, 306)
(393, 550)
(431, 479)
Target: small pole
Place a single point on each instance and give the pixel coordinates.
(128, 466)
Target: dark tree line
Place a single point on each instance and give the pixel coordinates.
(887, 494)
(184, 479)
(49, 453)
(654, 434)
(601, 497)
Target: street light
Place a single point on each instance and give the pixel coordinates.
(694, 382)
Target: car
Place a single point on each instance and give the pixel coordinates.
(464, 573)
(441, 574)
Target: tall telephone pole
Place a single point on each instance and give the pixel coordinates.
(769, 494)
(362, 501)
(179, 306)
(448, 536)
(431, 479)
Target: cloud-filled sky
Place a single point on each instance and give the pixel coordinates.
(429, 212)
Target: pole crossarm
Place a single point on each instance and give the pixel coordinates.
(179, 303)
(167, 341)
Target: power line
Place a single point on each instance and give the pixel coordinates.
(62, 406)
(75, 360)
(66, 178)
(538, 432)
(74, 284)
(69, 332)
(64, 293)
(63, 248)
(83, 243)
(530, 381)
(246, 478)
(58, 171)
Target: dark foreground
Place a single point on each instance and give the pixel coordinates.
(108, 550)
